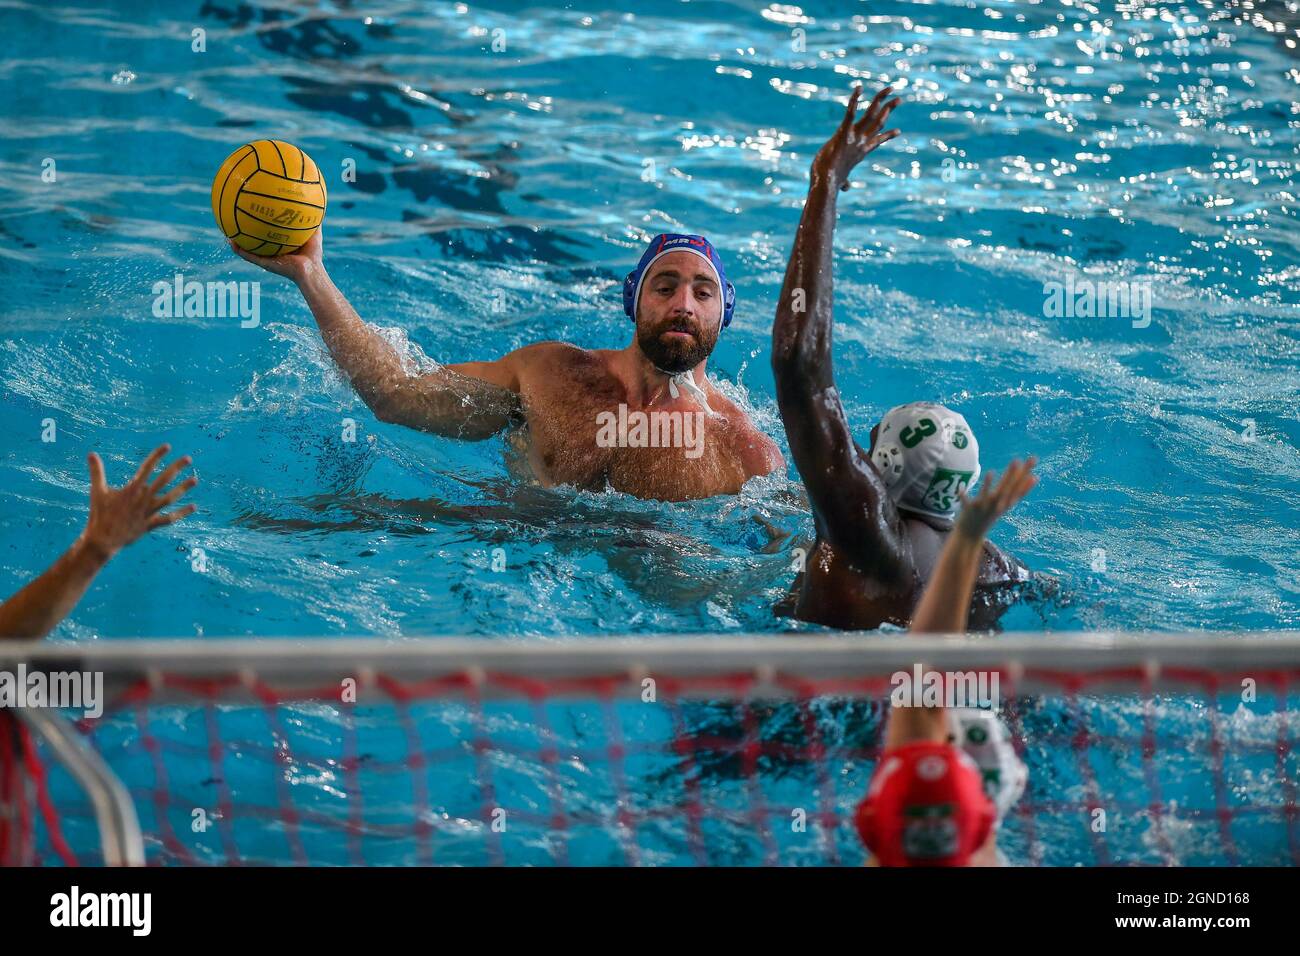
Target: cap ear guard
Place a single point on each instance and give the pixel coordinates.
(629, 295)
(888, 460)
(728, 302)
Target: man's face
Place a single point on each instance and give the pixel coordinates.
(679, 313)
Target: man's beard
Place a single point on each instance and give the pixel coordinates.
(674, 355)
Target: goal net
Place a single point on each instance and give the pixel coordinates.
(1141, 749)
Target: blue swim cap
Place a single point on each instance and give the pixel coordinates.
(665, 243)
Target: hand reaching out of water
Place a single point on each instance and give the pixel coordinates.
(995, 499)
(853, 141)
(118, 516)
(944, 607)
(295, 265)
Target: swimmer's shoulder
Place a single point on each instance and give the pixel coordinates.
(537, 353)
(551, 358)
(996, 566)
(735, 416)
(758, 453)
(1002, 566)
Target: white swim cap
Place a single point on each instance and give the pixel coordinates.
(926, 454)
(985, 739)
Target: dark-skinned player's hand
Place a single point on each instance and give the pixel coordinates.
(854, 140)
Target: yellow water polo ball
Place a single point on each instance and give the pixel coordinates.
(269, 197)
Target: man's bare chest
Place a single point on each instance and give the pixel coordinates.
(592, 437)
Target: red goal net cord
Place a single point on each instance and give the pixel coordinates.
(22, 781)
(485, 767)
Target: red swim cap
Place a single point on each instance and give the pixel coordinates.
(925, 807)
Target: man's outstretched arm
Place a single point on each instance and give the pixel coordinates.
(473, 401)
(847, 495)
(118, 516)
(945, 605)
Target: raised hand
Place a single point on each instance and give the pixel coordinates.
(294, 265)
(119, 516)
(854, 140)
(995, 499)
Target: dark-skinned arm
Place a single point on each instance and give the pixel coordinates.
(850, 504)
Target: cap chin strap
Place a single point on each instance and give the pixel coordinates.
(685, 380)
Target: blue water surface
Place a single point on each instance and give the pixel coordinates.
(511, 159)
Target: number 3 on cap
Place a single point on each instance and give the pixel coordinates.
(911, 437)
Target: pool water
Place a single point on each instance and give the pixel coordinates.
(510, 161)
